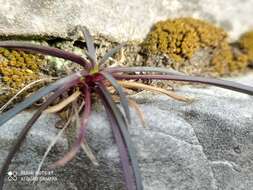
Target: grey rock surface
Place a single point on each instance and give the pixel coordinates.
(124, 20)
(207, 144)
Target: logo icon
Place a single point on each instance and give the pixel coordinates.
(12, 176)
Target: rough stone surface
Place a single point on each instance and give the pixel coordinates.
(121, 19)
(207, 144)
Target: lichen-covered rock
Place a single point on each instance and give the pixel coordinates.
(181, 38)
(18, 69)
(246, 43)
(227, 60)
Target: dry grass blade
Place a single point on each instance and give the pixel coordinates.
(81, 124)
(44, 91)
(85, 145)
(134, 105)
(89, 153)
(71, 154)
(63, 103)
(136, 85)
(71, 119)
(140, 113)
(22, 90)
(51, 146)
(22, 135)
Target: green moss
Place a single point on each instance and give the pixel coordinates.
(246, 43)
(181, 38)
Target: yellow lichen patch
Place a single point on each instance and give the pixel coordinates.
(18, 68)
(225, 61)
(181, 38)
(246, 43)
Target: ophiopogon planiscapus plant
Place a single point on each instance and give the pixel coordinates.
(95, 78)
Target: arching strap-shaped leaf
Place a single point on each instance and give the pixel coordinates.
(117, 123)
(159, 70)
(110, 53)
(120, 91)
(126, 165)
(215, 82)
(90, 44)
(22, 135)
(82, 131)
(46, 51)
(74, 78)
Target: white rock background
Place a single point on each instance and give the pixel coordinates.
(122, 19)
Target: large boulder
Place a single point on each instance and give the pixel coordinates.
(120, 19)
(206, 144)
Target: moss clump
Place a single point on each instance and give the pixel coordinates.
(246, 43)
(226, 60)
(19, 68)
(181, 38)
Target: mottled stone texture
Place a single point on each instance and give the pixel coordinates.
(130, 19)
(207, 144)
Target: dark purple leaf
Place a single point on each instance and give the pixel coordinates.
(46, 50)
(82, 132)
(90, 45)
(25, 130)
(160, 70)
(122, 95)
(126, 165)
(116, 114)
(72, 79)
(215, 82)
